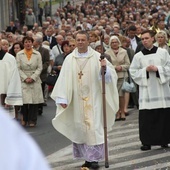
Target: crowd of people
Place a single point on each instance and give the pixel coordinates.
(68, 40)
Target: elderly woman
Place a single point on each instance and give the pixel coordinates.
(72, 44)
(93, 38)
(161, 40)
(29, 64)
(98, 47)
(121, 62)
(61, 57)
(5, 45)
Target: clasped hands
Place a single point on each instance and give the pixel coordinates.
(118, 68)
(151, 68)
(29, 80)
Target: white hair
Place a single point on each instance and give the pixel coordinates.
(114, 38)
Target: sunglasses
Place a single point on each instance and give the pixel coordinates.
(72, 45)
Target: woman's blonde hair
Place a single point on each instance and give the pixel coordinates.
(162, 33)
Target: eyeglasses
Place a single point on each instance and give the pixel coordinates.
(73, 45)
(114, 42)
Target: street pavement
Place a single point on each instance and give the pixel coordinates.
(124, 151)
(123, 140)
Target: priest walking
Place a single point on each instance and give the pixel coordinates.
(150, 69)
(78, 96)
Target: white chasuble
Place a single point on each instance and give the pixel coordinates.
(84, 79)
(82, 120)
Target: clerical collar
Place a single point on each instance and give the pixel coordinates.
(150, 48)
(83, 54)
(153, 50)
(2, 54)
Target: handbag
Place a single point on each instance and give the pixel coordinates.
(128, 86)
(51, 79)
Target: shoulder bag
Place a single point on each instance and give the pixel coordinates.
(128, 86)
(51, 79)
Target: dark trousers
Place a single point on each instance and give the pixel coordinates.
(29, 112)
(40, 106)
(40, 19)
(3, 96)
(30, 27)
(134, 98)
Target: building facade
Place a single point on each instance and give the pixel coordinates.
(4, 14)
(14, 10)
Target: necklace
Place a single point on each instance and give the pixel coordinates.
(81, 66)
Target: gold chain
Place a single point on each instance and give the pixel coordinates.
(81, 67)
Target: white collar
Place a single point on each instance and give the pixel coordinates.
(82, 54)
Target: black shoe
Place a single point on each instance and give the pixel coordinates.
(165, 146)
(123, 118)
(94, 165)
(118, 119)
(145, 147)
(126, 113)
(87, 164)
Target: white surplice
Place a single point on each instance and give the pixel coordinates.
(154, 91)
(18, 150)
(10, 83)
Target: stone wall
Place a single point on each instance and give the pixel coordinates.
(4, 14)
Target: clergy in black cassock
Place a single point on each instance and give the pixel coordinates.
(150, 69)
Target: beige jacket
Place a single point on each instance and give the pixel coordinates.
(32, 93)
(121, 59)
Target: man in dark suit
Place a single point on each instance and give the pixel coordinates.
(40, 14)
(11, 28)
(136, 46)
(48, 37)
(45, 61)
(134, 39)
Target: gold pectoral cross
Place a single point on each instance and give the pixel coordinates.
(80, 74)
